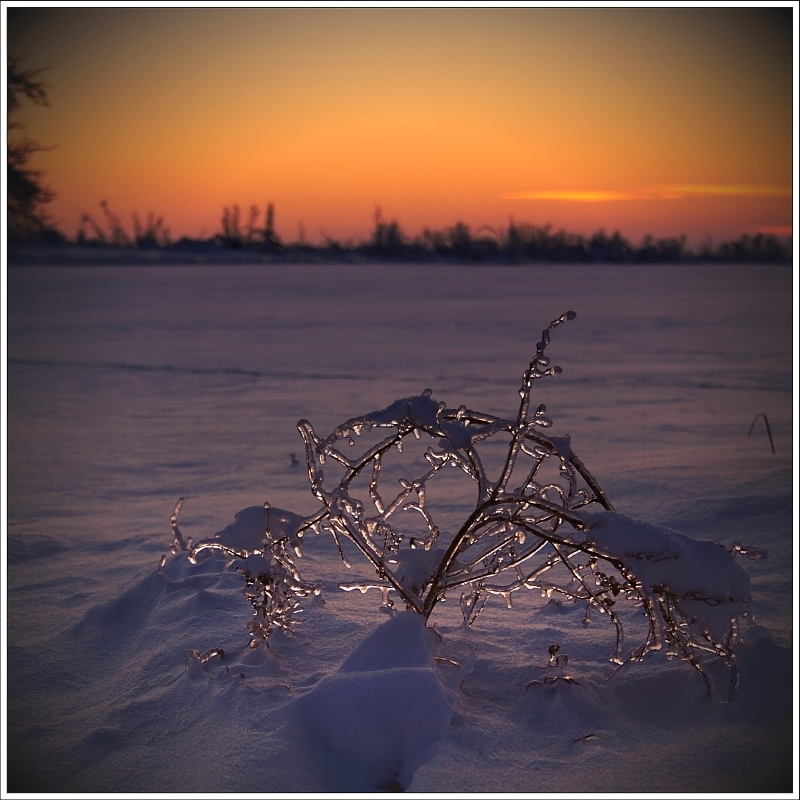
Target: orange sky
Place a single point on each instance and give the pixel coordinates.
(661, 121)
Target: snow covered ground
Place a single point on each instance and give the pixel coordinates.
(131, 386)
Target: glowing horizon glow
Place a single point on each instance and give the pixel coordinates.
(772, 230)
(668, 191)
(433, 114)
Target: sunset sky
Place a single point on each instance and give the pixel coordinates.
(655, 120)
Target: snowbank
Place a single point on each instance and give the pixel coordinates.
(385, 707)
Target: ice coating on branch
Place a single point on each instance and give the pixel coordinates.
(542, 523)
(248, 532)
(274, 588)
(696, 586)
(264, 541)
(178, 543)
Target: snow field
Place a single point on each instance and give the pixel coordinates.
(129, 387)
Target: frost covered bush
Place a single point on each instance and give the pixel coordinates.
(540, 522)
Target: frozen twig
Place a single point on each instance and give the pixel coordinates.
(769, 431)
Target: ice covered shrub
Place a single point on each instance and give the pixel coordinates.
(540, 522)
(262, 538)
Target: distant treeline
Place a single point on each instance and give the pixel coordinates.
(517, 243)
(29, 223)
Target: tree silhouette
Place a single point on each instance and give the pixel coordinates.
(27, 195)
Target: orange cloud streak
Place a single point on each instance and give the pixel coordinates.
(667, 191)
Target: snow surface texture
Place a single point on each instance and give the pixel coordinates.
(125, 384)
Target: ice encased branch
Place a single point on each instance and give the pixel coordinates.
(543, 523)
(265, 541)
